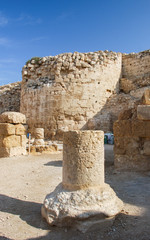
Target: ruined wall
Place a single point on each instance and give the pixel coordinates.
(133, 83)
(132, 137)
(63, 92)
(10, 97)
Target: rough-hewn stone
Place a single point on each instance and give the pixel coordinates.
(7, 129)
(12, 135)
(39, 133)
(143, 112)
(146, 97)
(10, 97)
(132, 151)
(12, 117)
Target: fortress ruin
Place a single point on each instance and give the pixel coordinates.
(73, 91)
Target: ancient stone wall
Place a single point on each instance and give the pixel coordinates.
(74, 91)
(62, 93)
(10, 97)
(132, 137)
(133, 83)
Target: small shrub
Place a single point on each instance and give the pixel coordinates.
(36, 59)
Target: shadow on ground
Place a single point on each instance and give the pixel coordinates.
(27, 211)
(56, 163)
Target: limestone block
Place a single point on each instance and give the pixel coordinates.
(126, 85)
(39, 133)
(122, 128)
(16, 151)
(132, 162)
(1, 141)
(12, 117)
(38, 142)
(7, 129)
(146, 97)
(146, 148)
(24, 140)
(141, 128)
(143, 112)
(20, 129)
(4, 152)
(11, 141)
(127, 145)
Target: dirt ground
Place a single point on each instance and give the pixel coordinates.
(26, 180)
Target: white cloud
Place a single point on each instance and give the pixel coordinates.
(26, 19)
(37, 39)
(3, 20)
(4, 42)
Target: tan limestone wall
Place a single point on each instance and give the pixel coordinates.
(132, 137)
(62, 93)
(135, 80)
(10, 97)
(135, 70)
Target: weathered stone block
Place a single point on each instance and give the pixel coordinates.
(146, 97)
(38, 142)
(20, 129)
(23, 139)
(126, 85)
(132, 162)
(141, 128)
(1, 141)
(16, 151)
(143, 112)
(11, 141)
(39, 133)
(7, 129)
(123, 128)
(126, 145)
(4, 152)
(146, 148)
(12, 117)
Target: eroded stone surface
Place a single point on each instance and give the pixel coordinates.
(143, 112)
(132, 137)
(83, 159)
(12, 117)
(66, 208)
(12, 134)
(39, 133)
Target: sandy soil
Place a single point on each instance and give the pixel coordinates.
(25, 181)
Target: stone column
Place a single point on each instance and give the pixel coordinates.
(39, 136)
(82, 198)
(83, 159)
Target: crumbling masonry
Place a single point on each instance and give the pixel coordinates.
(74, 91)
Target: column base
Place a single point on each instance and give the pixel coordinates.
(82, 208)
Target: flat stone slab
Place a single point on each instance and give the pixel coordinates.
(143, 112)
(70, 208)
(12, 117)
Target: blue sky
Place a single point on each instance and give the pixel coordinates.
(41, 28)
